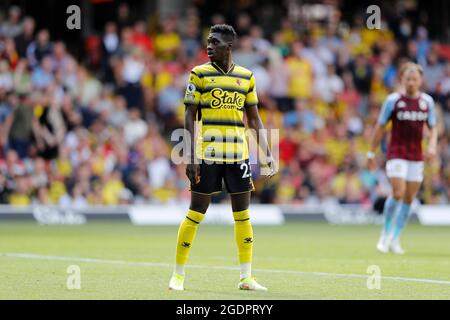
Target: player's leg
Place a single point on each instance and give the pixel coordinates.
(186, 236)
(239, 184)
(188, 228)
(393, 202)
(412, 186)
(403, 215)
(243, 231)
(391, 207)
(396, 170)
(210, 182)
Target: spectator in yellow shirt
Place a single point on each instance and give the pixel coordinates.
(300, 73)
(112, 188)
(168, 42)
(20, 196)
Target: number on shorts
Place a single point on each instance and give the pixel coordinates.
(247, 173)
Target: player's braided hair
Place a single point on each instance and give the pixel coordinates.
(224, 29)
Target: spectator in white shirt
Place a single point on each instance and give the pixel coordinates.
(329, 85)
(262, 78)
(445, 80)
(132, 70)
(135, 128)
(13, 27)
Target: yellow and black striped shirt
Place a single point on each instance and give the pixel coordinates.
(221, 98)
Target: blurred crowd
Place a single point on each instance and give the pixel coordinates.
(95, 130)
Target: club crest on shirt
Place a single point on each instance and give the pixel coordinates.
(422, 104)
(401, 104)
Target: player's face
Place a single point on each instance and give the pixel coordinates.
(218, 47)
(412, 80)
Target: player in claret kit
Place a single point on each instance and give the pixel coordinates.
(408, 110)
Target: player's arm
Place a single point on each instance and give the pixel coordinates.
(432, 143)
(192, 169)
(191, 101)
(377, 136)
(255, 123)
(380, 128)
(189, 126)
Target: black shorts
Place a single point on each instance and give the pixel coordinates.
(236, 175)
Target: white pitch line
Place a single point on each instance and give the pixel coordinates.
(169, 265)
(81, 259)
(356, 260)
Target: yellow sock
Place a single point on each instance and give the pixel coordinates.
(186, 235)
(243, 233)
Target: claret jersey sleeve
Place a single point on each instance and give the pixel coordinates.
(387, 108)
(431, 120)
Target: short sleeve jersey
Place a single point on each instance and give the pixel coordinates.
(221, 98)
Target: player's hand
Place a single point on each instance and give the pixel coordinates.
(269, 167)
(371, 164)
(371, 161)
(193, 172)
(430, 154)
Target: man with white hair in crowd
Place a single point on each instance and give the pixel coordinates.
(12, 27)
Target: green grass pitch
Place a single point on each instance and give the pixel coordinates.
(295, 261)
